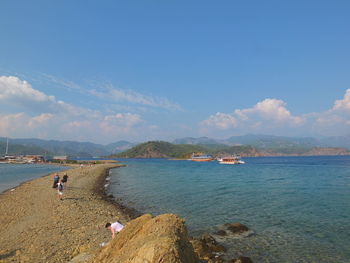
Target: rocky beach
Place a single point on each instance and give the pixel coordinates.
(37, 227)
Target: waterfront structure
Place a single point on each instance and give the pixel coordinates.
(60, 158)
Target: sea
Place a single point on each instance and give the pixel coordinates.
(12, 175)
(297, 208)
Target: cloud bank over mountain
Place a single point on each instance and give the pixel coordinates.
(26, 111)
(272, 116)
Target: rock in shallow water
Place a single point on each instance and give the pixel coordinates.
(207, 248)
(241, 259)
(221, 233)
(236, 228)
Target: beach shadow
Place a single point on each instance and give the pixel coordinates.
(73, 198)
(8, 255)
(73, 187)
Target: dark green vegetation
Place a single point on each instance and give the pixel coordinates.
(160, 149)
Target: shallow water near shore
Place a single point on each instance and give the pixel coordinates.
(12, 175)
(297, 207)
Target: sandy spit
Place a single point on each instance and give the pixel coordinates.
(35, 226)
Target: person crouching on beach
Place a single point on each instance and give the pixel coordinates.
(115, 227)
(56, 179)
(60, 188)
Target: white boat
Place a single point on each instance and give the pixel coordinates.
(231, 160)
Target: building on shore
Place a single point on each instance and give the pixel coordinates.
(60, 159)
(33, 158)
(22, 159)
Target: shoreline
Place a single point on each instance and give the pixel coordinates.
(101, 190)
(19, 184)
(37, 227)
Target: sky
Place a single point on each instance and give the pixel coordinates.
(104, 71)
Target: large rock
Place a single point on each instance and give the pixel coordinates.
(236, 228)
(162, 239)
(241, 259)
(207, 248)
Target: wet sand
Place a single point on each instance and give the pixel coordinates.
(37, 227)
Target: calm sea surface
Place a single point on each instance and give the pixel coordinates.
(297, 207)
(12, 175)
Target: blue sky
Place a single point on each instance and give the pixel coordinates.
(103, 71)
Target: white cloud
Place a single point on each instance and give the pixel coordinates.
(31, 113)
(16, 94)
(11, 123)
(131, 96)
(123, 118)
(69, 85)
(40, 119)
(23, 125)
(221, 121)
(335, 121)
(108, 92)
(120, 123)
(19, 92)
(266, 115)
(271, 110)
(344, 104)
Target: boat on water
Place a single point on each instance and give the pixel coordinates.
(201, 157)
(233, 159)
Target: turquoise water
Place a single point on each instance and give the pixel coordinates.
(12, 175)
(297, 207)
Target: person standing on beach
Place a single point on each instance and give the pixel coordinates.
(60, 188)
(115, 227)
(65, 179)
(56, 179)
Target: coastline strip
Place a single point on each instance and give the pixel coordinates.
(38, 227)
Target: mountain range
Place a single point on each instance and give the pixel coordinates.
(270, 141)
(161, 149)
(262, 143)
(55, 147)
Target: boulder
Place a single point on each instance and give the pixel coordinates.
(153, 240)
(212, 244)
(207, 248)
(241, 259)
(201, 249)
(220, 232)
(236, 228)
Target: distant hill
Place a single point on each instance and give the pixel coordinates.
(120, 146)
(278, 143)
(17, 149)
(242, 150)
(160, 149)
(327, 151)
(201, 140)
(270, 141)
(71, 148)
(82, 149)
(246, 145)
(336, 141)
